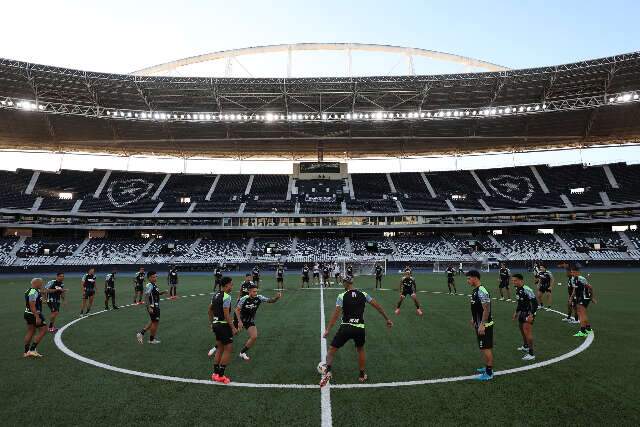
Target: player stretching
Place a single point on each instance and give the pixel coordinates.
(55, 291)
(138, 286)
(245, 314)
(34, 318)
(173, 282)
(482, 322)
(222, 326)
(110, 290)
(379, 274)
(152, 300)
(525, 314)
(280, 277)
(408, 287)
(88, 291)
(503, 282)
(352, 304)
(582, 295)
(255, 273)
(545, 280)
(305, 276)
(451, 281)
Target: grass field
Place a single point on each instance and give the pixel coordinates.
(598, 386)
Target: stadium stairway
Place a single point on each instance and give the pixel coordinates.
(19, 244)
(214, 184)
(541, 182)
(562, 243)
(249, 247)
(347, 245)
(81, 247)
(627, 241)
(610, 177)
(32, 182)
(144, 248)
(294, 245)
(102, 184)
(428, 184)
(498, 245)
(290, 187)
(193, 246)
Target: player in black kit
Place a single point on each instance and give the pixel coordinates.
(138, 286)
(545, 283)
(223, 327)
(326, 271)
(217, 274)
(379, 274)
(408, 288)
(88, 291)
(280, 277)
(352, 304)
(172, 279)
(582, 296)
(110, 290)
(245, 316)
(451, 281)
(305, 276)
(152, 300)
(34, 318)
(482, 322)
(503, 282)
(55, 292)
(525, 314)
(255, 273)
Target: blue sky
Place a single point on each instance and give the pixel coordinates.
(122, 36)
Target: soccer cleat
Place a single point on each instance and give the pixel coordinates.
(523, 348)
(106, 307)
(34, 353)
(481, 370)
(547, 308)
(483, 377)
(155, 341)
(115, 307)
(325, 379)
(139, 337)
(53, 330)
(575, 322)
(580, 334)
(397, 311)
(501, 298)
(363, 379)
(566, 319)
(25, 355)
(589, 331)
(528, 357)
(215, 377)
(224, 379)
(419, 312)
(211, 352)
(244, 356)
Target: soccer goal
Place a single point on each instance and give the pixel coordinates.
(441, 266)
(365, 267)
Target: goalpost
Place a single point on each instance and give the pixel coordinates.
(441, 266)
(364, 267)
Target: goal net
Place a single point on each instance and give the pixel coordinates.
(364, 267)
(441, 266)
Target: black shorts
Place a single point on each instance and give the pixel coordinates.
(223, 333)
(346, 333)
(154, 314)
(256, 278)
(378, 277)
(450, 280)
(544, 288)
(173, 284)
(88, 294)
(305, 279)
(246, 323)
(110, 292)
(280, 279)
(139, 288)
(315, 275)
(407, 291)
(504, 284)
(485, 342)
(522, 317)
(31, 319)
(54, 306)
(584, 302)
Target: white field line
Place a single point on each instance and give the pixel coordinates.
(325, 392)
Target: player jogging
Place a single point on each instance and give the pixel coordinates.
(525, 314)
(451, 281)
(582, 295)
(88, 291)
(245, 314)
(408, 288)
(110, 290)
(55, 292)
(305, 276)
(379, 273)
(482, 323)
(138, 286)
(503, 282)
(545, 283)
(222, 326)
(280, 277)
(34, 318)
(255, 273)
(352, 304)
(152, 301)
(172, 279)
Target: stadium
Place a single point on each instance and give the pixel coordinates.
(312, 189)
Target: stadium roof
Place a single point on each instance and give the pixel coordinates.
(589, 102)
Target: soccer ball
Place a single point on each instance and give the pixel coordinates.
(322, 367)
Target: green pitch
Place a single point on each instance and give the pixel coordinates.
(597, 386)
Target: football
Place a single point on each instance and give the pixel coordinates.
(321, 368)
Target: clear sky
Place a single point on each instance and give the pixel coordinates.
(122, 36)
